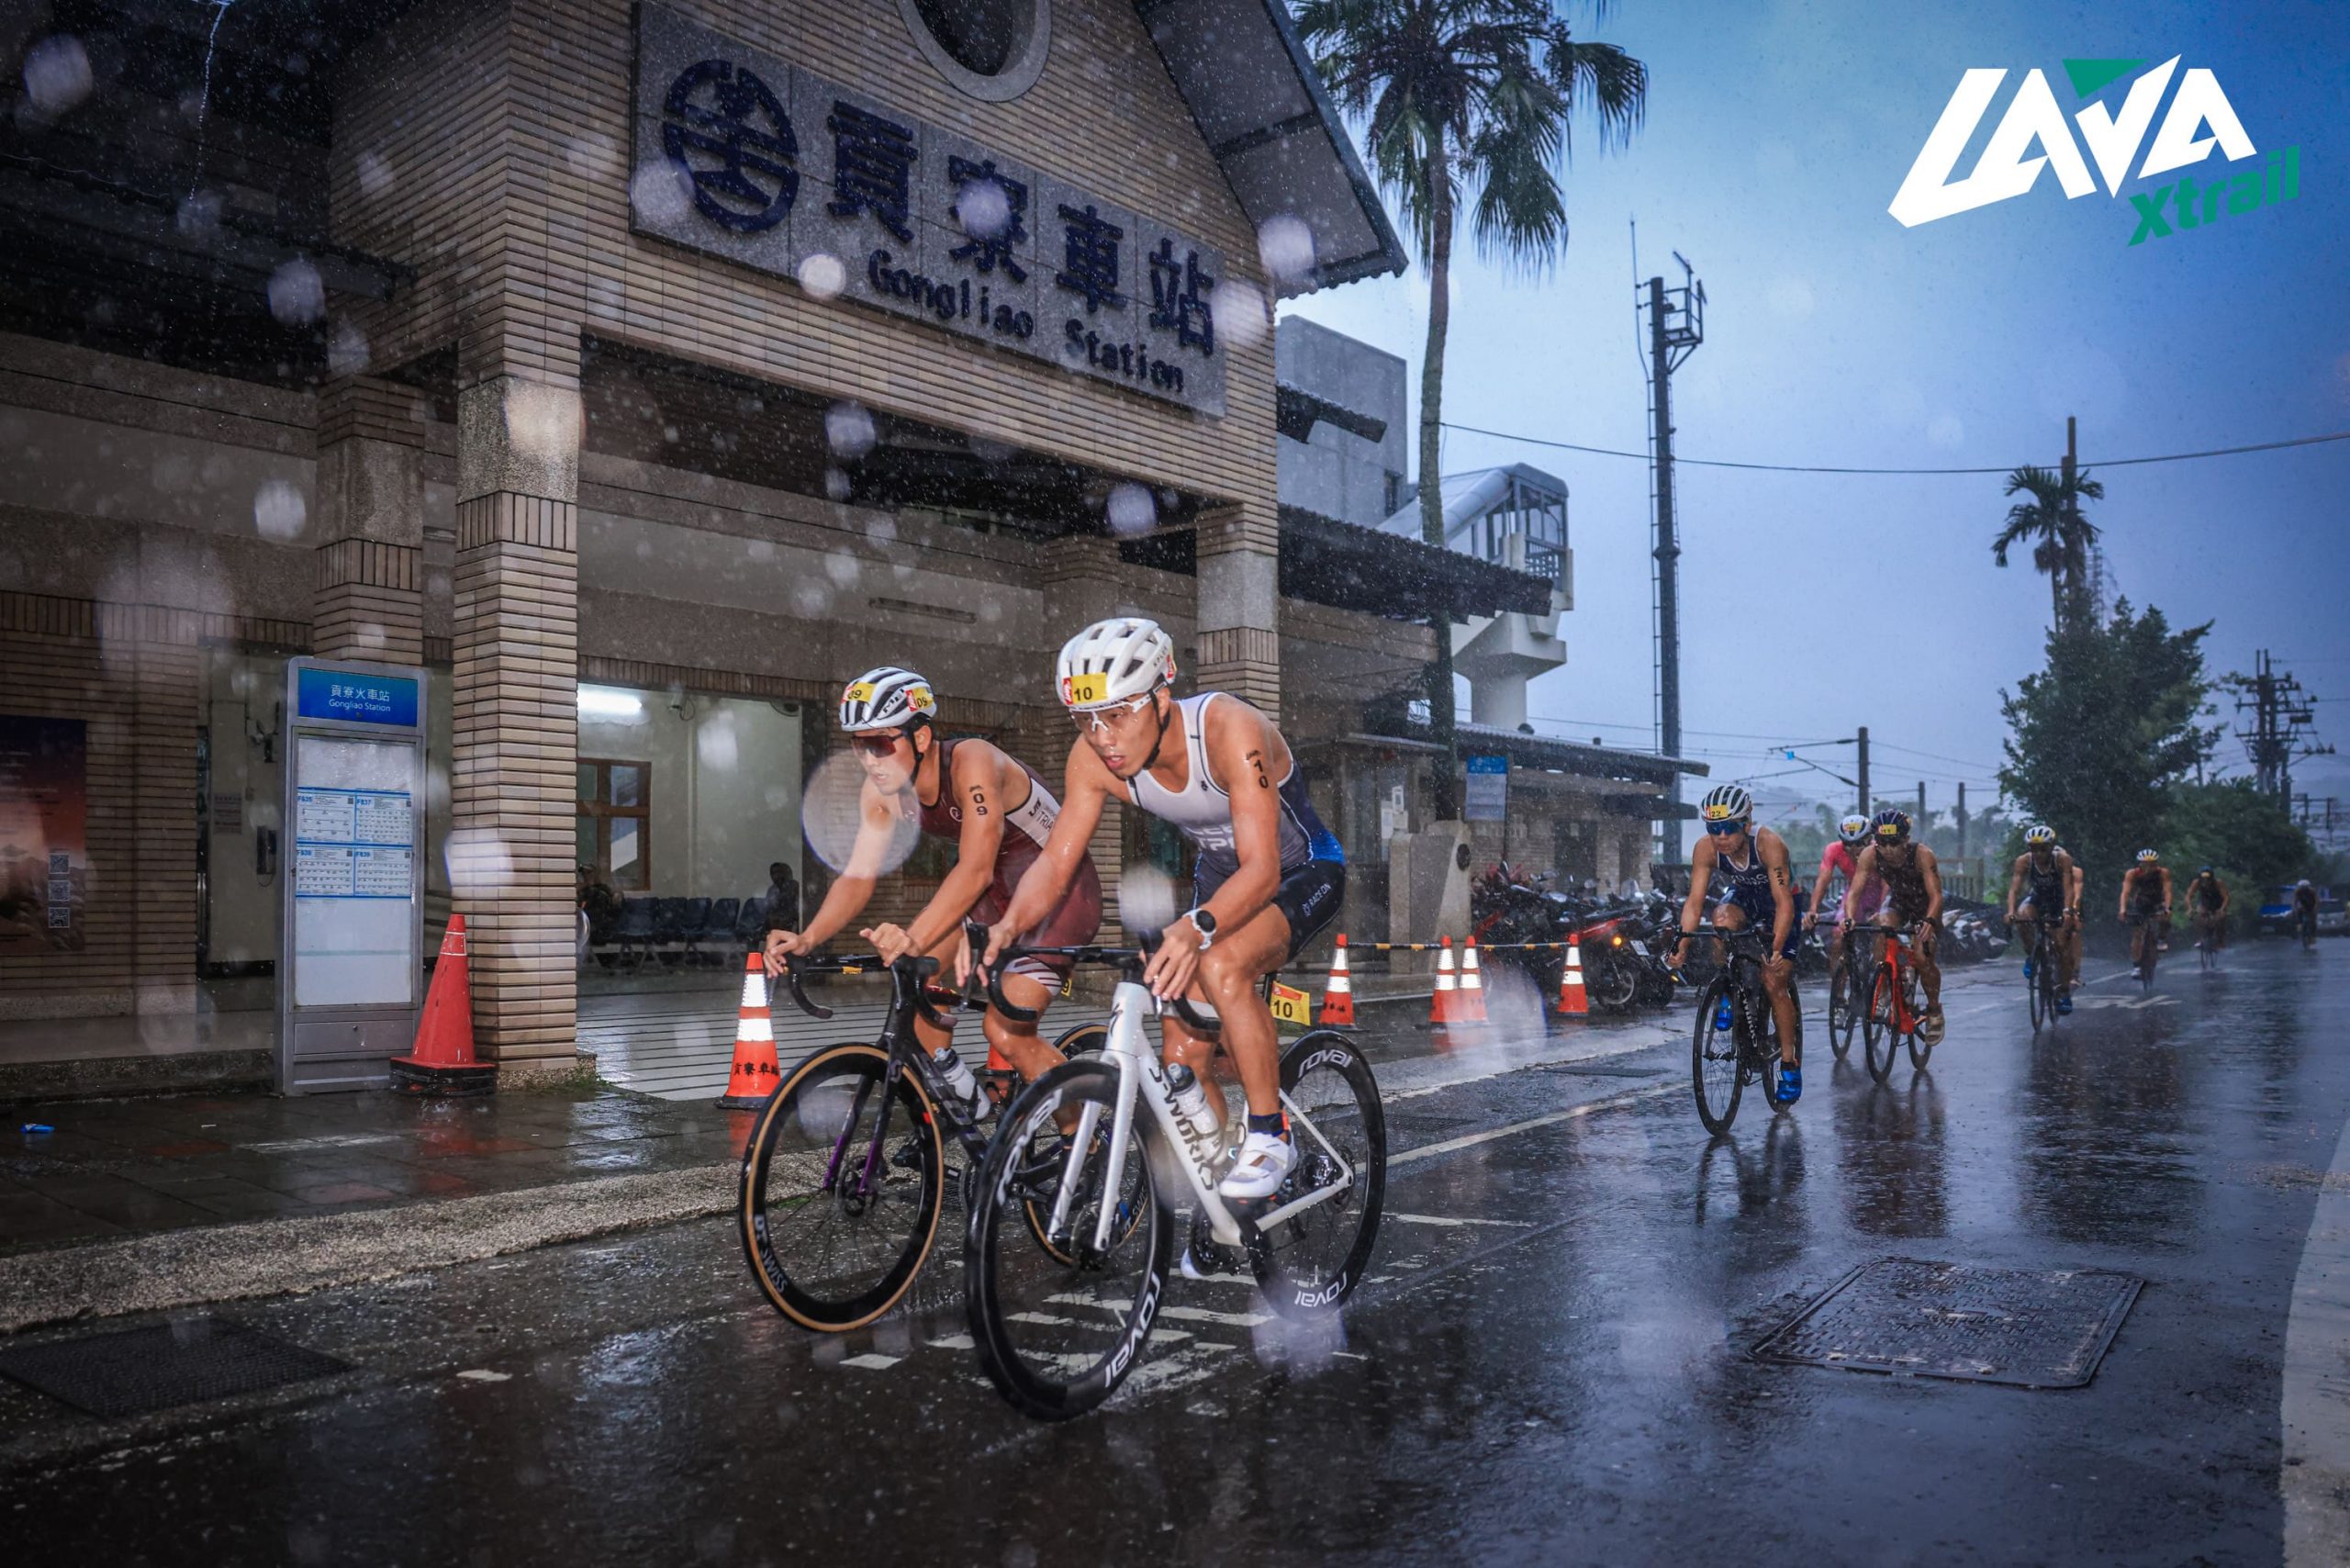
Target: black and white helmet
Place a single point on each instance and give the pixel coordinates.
(1113, 660)
(886, 699)
(1853, 829)
(1727, 803)
(1892, 827)
(2039, 835)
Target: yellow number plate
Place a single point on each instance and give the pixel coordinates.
(1094, 688)
(1292, 1007)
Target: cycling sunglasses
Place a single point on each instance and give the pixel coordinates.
(876, 742)
(1723, 830)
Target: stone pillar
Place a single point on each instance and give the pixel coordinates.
(167, 671)
(370, 603)
(512, 790)
(1239, 613)
(1080, 574)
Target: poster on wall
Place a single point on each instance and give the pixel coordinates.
(44, 816)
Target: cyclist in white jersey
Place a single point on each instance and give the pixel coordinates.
(1269, 875)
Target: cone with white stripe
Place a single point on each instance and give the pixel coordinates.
(1444, 1005)
(1338, 990)
(1572, 1002)
(756, 1071)
(1472, 986)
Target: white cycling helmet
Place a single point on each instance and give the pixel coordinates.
(2147, 857)
(1853, 829)
(886, 699)
(1726, 803)
(1113, 660)
(2039, 834)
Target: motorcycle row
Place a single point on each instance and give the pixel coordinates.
(1626, 939)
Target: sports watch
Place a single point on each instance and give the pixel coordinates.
(1204, 923)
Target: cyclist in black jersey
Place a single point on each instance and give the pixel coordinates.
(2207, 901)
(2049, 881)
(1913, 896)
(1761, 886)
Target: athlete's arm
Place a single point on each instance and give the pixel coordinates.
(2076, 883)
(1820, 885)
(2015, 885)
(1086, 785)
(1692, 908)
(1774, 851)
(851, 891)
(2129, 880)
(976, 783)
(1243, 751)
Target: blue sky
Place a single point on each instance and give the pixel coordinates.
(1776, 136)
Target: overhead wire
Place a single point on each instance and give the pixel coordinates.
(1838, 468)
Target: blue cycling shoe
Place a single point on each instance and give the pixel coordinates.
(2027, 966)
(1790, 1084)
(2063, 1006)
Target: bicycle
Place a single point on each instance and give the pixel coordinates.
(1059, 1327)
(2042, 988)
(836, 1230)
(2208, 926)
(1844, 1017)
(2150, 944)
(1722, 1062)
(1892, 1016)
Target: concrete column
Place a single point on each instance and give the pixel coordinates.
(1239, 599)
(167, 672)
(512, 791)
(1080, 576)
(370, 603)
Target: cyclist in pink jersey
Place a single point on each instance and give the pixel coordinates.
(1843, 858)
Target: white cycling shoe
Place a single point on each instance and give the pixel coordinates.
(1263, 1165)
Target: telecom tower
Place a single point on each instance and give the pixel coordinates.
(1676, 326)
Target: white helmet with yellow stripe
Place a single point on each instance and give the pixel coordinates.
(886, 699)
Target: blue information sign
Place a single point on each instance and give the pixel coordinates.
(354, 697)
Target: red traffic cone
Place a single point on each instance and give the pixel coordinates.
(1338, 991)
(755, 1072)
(1472, 986)
(1572, 1002)
(442, 1059)
(1444, 1005)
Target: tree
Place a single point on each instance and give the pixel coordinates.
(2244, 834)
(1468, 101)
(2059, 535)
(2100, 739)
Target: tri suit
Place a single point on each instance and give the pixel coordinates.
(1841, 860)
(2045, 891)
(1026, 826)
(1314, 866)
(1748, 888)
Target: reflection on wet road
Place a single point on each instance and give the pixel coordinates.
(1549, 1363)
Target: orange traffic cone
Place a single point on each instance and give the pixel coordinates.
(1573, 1002)
(442, 1059)
(756, 1072)
(1444, 1005)
(1472, 986)
(1338, 991)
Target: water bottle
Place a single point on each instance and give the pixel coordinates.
(959, 1082)
(1190, 1099)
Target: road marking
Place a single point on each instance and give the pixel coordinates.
(952, 1342)
(871, 1362)
(1201, 1315)
(1470, 1141)
(1451, 1220)
(483, 1374)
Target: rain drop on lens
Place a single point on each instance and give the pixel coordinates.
(297, 296)
(823, 276)
(57, 73)
(848, 430)
(985, 209)
(660, 191)
(1131, 510)
(1285, 245)
(279, 510)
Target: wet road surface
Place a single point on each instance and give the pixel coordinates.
(1550, 1362)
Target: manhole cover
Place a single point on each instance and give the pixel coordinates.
(1900, 1315)
(180, 1363)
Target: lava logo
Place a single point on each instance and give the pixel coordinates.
(2199, 120)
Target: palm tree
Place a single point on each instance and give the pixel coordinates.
(2052, 520)
(1468, 101)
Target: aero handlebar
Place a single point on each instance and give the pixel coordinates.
(1128, 960)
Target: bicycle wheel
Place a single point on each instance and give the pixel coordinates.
(1057, 1338)
(1922, 1050)
(834, 1228)
(1309, 1263)
(1714, 1076)
(1769, 1050)
(1844, 1017)
(1878, 1035)
(2035, 989)
(2150, 950)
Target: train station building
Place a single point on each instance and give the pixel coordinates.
(631, 374)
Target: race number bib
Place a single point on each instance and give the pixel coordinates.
(1292, 1007)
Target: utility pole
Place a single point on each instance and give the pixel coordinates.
(1921, 808)
(2281, 719)
(2072, 508)
(1962, 818)
(1861, 736)
(1676, 326)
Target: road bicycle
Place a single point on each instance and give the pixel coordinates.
(2208, 926)
(1723, 1061)
(2042, 986)
(2154, 926)
(845, 1176)
(1893, 1014)
(1844, 989)
(1059, 1326)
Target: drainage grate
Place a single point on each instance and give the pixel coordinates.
(180, 1363)
(1906, 1317)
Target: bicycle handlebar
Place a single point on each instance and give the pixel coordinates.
(1128, 959)
(907, 975)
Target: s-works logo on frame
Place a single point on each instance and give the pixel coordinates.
(2198, 122)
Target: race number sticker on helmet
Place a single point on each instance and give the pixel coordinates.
(1727, 803)
(1893, 827)
(1078, 689)
(2039, 834)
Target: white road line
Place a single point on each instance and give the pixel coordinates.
(952, 1342)
(1470, 1141)
(1201, 1315)
(871, 1362)
(1452, 1220)
(2315, 1409)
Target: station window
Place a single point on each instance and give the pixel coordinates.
(615, 824)
(990, 49)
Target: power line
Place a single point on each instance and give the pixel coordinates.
(1826, 468)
